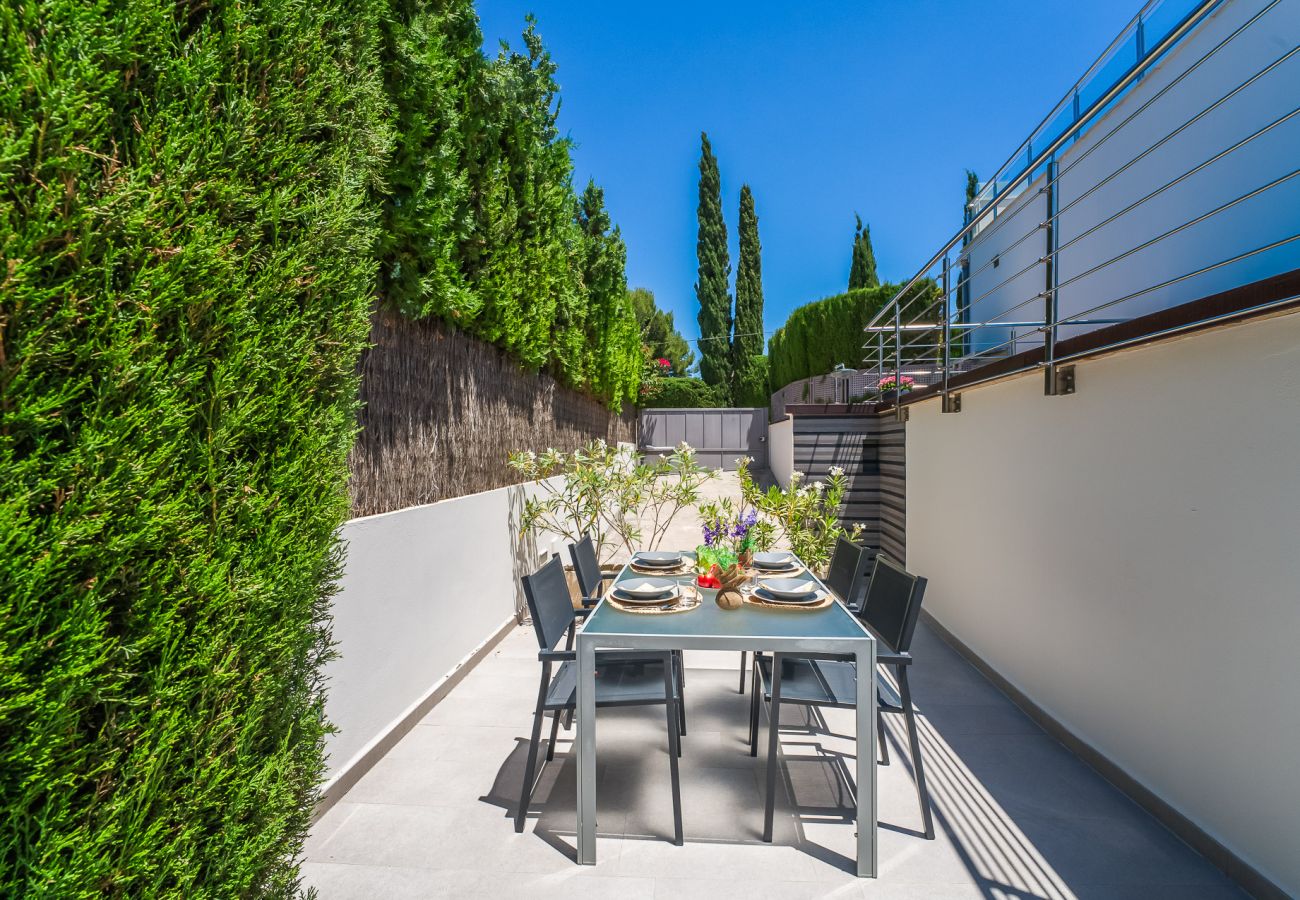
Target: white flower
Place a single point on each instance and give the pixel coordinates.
(818, 487)
(744, 460)
(836, 471)
(795, 476)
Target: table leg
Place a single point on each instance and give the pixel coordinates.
(866, 714)
(586, 752)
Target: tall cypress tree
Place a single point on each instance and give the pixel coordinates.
(714, 269)
(862, 271)
(747, 342)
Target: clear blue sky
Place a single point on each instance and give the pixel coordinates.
(823, 108)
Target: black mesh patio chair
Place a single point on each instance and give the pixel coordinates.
(623, 678)
(591, 582)
(586, 566)
(893, 604)
(846, 578)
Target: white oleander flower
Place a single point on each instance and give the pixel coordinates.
(836, 471)
(818, 487)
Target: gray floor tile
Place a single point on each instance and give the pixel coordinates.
(1016, 813)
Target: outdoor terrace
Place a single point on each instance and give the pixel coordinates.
(1017, 815)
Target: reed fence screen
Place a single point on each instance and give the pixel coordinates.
(441, 410)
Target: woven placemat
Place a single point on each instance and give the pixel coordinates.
(660, 570)
(784, 573)
(755, 600)
(689, 600)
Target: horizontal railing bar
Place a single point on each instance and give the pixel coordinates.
(1075, 127)
(1183, 227)
(992, 229)
(1176, 329)
(1210, 268)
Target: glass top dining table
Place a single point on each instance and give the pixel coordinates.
(831, 629)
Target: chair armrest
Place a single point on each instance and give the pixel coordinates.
(892, 658)
(557, 655)
(588, 603)
(584, 611)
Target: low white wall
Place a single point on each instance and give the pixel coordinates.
(1127, 557)
(780, 450)
(422, 588)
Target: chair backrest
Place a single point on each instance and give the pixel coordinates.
(849, 569)
(549, 602)
(586, 566)
(893, 603)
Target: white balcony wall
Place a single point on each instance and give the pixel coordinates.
(1110, 143)
(780, 449)
(1126, 557)
(422, 588)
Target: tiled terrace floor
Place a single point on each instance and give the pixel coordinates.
(1017, 814)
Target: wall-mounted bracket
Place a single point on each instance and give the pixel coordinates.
(952, 403)
(1058, 380)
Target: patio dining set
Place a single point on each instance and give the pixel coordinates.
(802, 639)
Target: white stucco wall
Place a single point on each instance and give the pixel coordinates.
(1129, 557)
(780, 450)
(421, 589)
(1106, 147)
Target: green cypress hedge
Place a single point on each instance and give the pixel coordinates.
(691, 393)
(820, 334)
(186, 266)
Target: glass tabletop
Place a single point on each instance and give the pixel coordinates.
(834, 622)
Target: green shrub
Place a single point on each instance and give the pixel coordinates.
(186, 266)
(826, 332)
(685, 392)
(482, 226)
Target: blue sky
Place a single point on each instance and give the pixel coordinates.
(823, 108)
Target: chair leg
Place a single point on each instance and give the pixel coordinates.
(530, 767)
(755, 705)
(773, 741)
(679, 663)
(880, 738)
(674, 751)
(744, 658)
(555, 730)
(922, 795)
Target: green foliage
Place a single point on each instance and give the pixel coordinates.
(804, 517)
(481, 225)
(186, 269)
(748, 377)
(610, 344)
(714, 270)
(862, 270)
(622, 500)
(822, 333)
(689, 393)
(659, 334)
(752, 383)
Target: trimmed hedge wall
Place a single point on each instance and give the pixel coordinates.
(685, 392)
(186, 266)
(199, 204)
(820, 334)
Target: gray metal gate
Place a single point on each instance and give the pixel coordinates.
(720, 436)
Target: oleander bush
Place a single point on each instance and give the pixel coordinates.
(186, 269)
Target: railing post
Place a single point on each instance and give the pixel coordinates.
(1051, 308)
(899, 413)
(950, 403)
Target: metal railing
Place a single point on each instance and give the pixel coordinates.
(962, 309)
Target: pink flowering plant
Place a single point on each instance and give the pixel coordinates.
(901, 384)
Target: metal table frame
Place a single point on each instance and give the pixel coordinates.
(862, 647)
